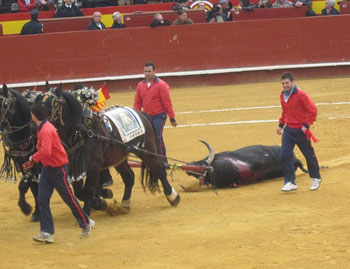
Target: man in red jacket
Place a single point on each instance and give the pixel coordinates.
(153, 96)
(53, 158)
(298, 113)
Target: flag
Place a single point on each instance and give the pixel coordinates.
(103, 95)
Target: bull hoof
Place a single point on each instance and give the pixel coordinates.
(106, 194)
(35, 218)
(25, 207)
(173, 198)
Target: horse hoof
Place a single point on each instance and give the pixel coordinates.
(103, 205)
(35, 218)
(176, 201)
(125, 206)
(173, 198)
(25, 207)
(106, 194)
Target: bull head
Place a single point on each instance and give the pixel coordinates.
(205, 162)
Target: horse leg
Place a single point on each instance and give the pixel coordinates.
(106, 180)
(90, 188)
(23, 187)
(36, 214)
(157, 171)
(128, 177)
(78, 187)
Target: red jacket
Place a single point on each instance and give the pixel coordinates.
(155, 99)
(50, 151)
(23, 7)
(299, 111)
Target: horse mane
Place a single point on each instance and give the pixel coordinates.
(75, 111)
(22, 104)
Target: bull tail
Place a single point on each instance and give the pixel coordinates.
(299, 164)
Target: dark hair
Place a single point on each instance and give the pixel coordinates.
(180, 12)
(287, 75)
(39, 111)
(150, 64)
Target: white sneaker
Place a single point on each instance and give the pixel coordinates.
(316, 182)
(44, 237)
(87, 230)
(289, 187)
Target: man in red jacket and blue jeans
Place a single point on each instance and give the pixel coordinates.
(298, 113)
(153, 96)
(53, 158)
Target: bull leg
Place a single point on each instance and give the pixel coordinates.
(36, 214)
(128, 178)
(22, 203)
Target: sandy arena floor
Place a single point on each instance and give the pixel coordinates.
(254, 226)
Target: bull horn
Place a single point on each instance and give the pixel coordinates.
(211, 152)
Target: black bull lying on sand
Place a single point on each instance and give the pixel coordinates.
(243, 166)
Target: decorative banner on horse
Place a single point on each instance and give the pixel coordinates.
(127, 122)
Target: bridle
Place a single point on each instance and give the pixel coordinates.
(56, 107)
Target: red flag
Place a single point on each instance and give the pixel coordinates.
(103, 95)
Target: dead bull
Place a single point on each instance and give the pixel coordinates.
(243, 166)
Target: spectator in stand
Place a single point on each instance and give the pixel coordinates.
(245, 5)
(263, 4)
(181, 4)
(216, 14)
(78, 3)
(282, 3)
(117, 20)
(182, 18)
(96, 23)
(27, 5)
(226, 9)
(68, 9)
(33, 26)
(329, 8)
(47, 5)
(159, 21)
(308, 3)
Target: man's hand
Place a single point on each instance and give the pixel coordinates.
(279, 130)
(303, 129)
(174, 123)
(28, 165)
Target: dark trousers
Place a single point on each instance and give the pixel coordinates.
(159, 122)
(290, 138)
(56, 178)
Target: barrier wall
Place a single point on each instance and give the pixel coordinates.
(120, 52)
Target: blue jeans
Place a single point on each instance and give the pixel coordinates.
(56, 178)
(158, 123)
(290, 138)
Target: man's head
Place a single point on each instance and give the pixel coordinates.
(158, 17)
(68, 2)
(182, 15)
(38, 113)
(224, 3)
(97, 17)
(34, 13)
(287, 80)
(149, 70)
(201, 6)
(329, 4)
(117, 16)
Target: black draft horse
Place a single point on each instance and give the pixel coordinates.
(99, 149)
(18, 139)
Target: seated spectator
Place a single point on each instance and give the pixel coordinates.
(96, 23)
(46, 5)
(282, 3)
(182, 18)
(216, 14)
(78, 3)
(263, 4)
(181, 4)
(226, 9)
(159, 21)
(245, 5)
(329, 8)
(33, 26)
(308, 3)
(117, 20)
(27, 5)
(69, 9)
